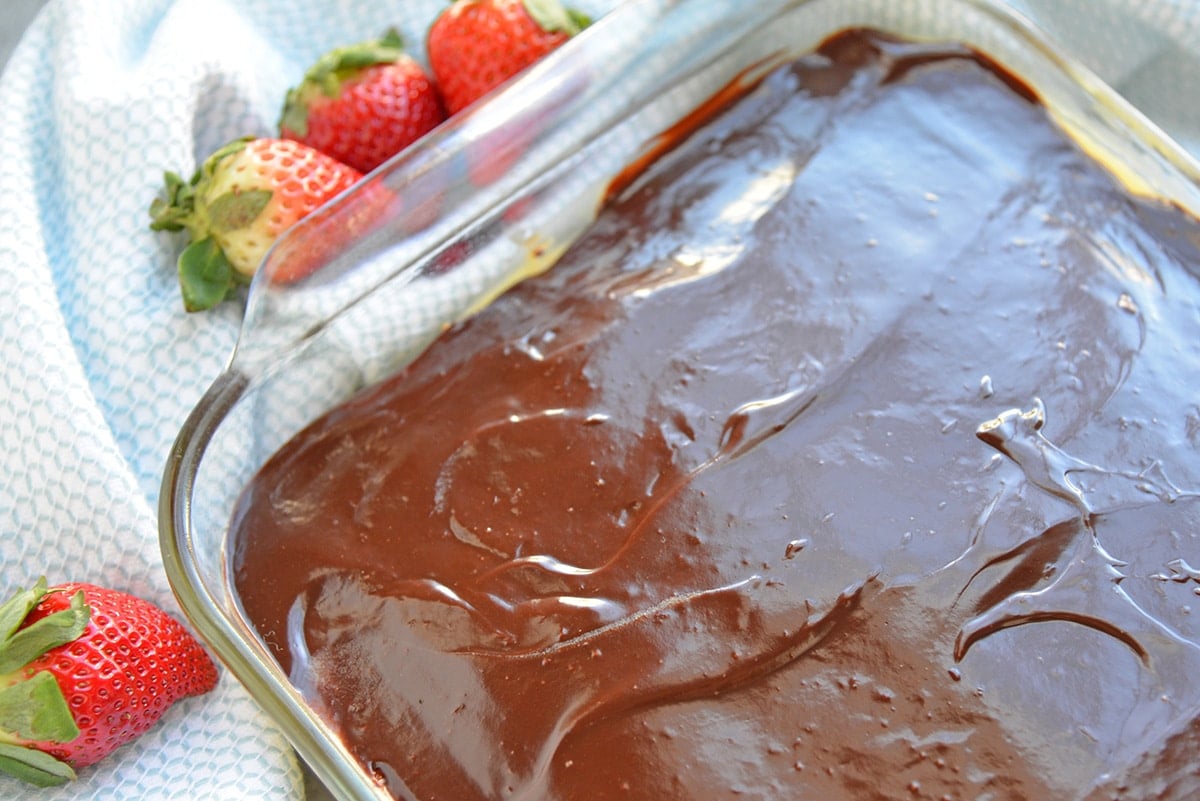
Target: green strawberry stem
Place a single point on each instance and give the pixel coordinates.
(205, 275)
(177, 210)
(553, 17)
(172, 213)
(331, 70)
(234, 210)
(33, 766)
(34, 708)
(14, 611)
(22, 646)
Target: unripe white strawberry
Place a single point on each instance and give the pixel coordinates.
(243, 197)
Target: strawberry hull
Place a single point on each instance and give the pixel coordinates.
(119, 663)
(476, 45)
(363, 103)
(371, 122)
(240, 201)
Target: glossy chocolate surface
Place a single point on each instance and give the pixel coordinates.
(851, 455)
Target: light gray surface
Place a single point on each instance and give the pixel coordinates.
(14, 19)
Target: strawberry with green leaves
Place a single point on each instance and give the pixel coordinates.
(476, 45)
(241, 199)
(84, 670)
(363, 103)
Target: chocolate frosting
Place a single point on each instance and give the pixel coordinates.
(850, 455)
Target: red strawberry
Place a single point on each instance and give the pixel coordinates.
(362, 104)
(476, 45)
(243, 197)
(84, 670)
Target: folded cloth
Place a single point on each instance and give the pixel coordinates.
(101, 364)
(1148, 50)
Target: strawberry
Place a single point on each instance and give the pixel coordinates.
(476, 45)
(240, 200)
(84, 670)
(363, 103)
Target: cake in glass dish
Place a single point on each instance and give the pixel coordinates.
(851, 453)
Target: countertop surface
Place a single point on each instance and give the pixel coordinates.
(16, 18)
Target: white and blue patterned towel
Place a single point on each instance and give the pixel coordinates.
(100, 363)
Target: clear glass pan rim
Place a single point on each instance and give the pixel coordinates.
(204, 597)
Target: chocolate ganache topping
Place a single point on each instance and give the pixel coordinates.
(852, 454)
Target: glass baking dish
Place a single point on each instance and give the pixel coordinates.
(438, 232)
